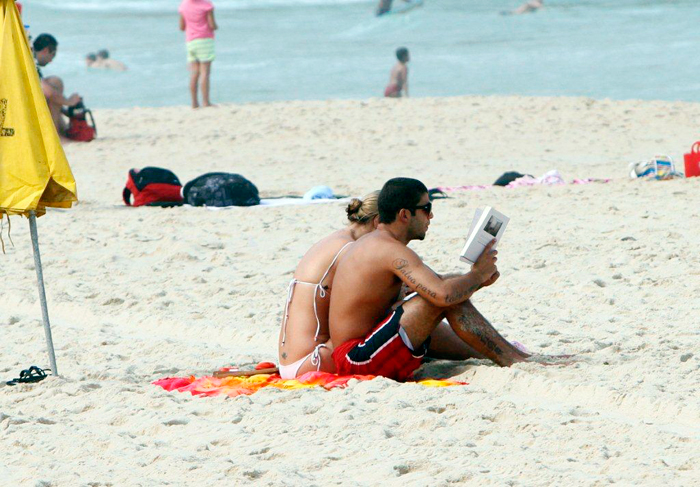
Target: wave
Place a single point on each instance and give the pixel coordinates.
(172, 5)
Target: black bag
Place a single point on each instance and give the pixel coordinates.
(221, 189)
(507, 177)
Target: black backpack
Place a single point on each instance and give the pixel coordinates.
(221, 189)
(152, 186)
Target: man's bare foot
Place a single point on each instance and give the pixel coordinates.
(195, 105)
(208, 105)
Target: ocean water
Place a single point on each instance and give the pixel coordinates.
(324, 49)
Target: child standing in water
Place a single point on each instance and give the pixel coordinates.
(197, 20)
(398, 79)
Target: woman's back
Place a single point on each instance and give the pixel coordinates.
(312, 282)
(304, 342)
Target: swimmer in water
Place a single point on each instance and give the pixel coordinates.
(384, 6)
(526, 8)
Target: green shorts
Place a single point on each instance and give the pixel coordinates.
(201, 50)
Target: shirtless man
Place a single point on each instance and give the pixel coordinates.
(373, 332)
(45, 48)
(398, 78)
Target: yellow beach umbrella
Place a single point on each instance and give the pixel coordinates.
(34, 172)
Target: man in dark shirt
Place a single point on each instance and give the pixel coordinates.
(45, 47)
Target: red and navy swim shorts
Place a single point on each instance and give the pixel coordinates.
(385, 351)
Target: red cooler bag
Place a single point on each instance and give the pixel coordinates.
(692, 161)
(79, 129)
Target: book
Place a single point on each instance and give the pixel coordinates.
(486, 225)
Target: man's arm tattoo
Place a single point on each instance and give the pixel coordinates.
(459, 296)
(402, 266)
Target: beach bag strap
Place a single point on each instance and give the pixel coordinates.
(696, 148)
(92, 121)
(129, 189)
(126, 196)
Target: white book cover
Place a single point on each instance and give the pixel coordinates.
(487, 224)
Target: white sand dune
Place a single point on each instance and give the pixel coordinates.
(608, 272)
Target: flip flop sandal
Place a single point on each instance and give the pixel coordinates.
(28, 376)
(436, 194)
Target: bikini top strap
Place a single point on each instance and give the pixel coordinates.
(290, 294)
(318, 289)
(322, 291)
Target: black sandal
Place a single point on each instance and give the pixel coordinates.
(436, 194)
(28, 376)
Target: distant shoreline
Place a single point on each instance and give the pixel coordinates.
(399, 101)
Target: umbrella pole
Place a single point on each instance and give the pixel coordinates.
(42, 292)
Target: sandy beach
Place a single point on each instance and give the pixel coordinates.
(608, 272)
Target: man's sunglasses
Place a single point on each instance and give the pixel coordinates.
(427, 208)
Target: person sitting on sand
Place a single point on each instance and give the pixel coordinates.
(374, 332)
(304, 342)
(398, 78)
(45, 49)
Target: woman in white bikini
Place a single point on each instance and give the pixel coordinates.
(304, 342)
